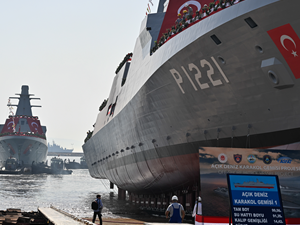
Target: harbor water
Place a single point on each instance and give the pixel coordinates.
(71, 193)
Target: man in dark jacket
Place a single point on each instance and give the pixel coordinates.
(98, 211)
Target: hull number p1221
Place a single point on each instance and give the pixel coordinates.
(198, 75)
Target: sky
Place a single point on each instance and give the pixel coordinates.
(67, 52)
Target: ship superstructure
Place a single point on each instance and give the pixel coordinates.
(227, 80)
(22, 137)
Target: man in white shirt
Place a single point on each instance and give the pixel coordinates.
(197, 210)
(175, 211)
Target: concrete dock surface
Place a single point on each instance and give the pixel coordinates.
(112, 221)
(164, 223)
(127, 221)
(58, 218)
(55, 216)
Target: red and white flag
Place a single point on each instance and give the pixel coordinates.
(288, 43)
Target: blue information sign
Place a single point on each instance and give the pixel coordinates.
(255, 199)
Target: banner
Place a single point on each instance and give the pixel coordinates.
(8, 126)
(35, 125)
(255, 199)
(216, 163)
(288, 42)
(177, 6)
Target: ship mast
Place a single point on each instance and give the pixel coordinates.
(24, 106)
(161, 6)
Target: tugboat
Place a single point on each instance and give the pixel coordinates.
(11, 164)
(83, 163)
(58, 166)
(11, 167)
(72, 165)
(41, 168)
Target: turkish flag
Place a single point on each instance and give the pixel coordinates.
(177, 6)
(35, 125)
(288, 43)
(8, 127)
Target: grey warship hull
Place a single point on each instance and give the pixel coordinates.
(194, 92)
(25, 149)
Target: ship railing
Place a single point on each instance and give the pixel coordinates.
(22, 116)
(205, 12)
(29, 134)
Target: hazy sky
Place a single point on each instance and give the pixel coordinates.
(67, 52)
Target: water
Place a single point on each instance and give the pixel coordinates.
(71, 193)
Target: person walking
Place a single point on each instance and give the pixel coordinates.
(98, 211)
(197, 210)
(175, 211)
